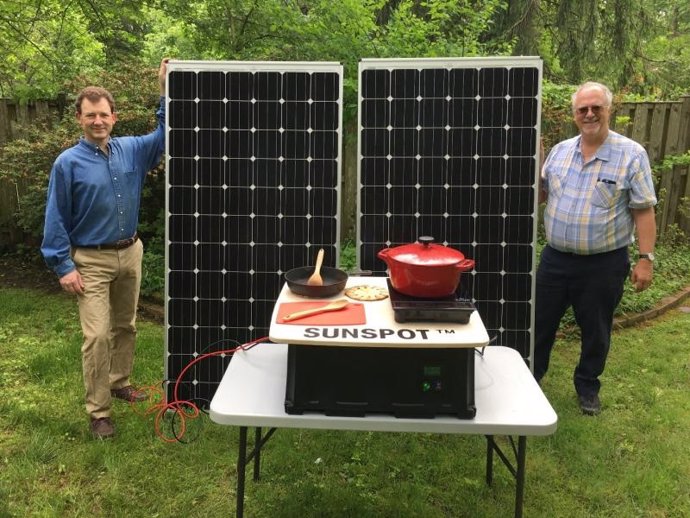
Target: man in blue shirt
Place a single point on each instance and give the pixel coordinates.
(600, 190)
(91, 243)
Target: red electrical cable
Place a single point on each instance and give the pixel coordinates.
(184, 409)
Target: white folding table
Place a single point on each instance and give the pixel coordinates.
(509, 402)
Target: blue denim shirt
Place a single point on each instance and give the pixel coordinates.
(94, 198)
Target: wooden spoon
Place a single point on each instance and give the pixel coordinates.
(315, 279)
(333, 306)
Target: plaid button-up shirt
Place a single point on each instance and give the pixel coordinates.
(588, 208)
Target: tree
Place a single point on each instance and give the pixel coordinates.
(119, 26)
(519, 22)
(665, 57)
(46, 42)
(42, 44)
(636, 46)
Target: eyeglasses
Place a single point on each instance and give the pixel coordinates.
(583, 110)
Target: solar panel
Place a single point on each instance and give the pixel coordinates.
(449, 148)
(253, 174)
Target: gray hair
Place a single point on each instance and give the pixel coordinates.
(592, 84)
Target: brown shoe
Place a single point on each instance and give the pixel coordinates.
(102, 428)
(129, 393)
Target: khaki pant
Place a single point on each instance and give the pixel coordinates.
(107, 311)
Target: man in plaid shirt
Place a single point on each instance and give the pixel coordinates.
(598, 187)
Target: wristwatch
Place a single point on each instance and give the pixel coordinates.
(649, 256)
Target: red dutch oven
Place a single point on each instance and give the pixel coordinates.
(424, 269)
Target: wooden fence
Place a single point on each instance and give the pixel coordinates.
(663, 128)
(13, 115)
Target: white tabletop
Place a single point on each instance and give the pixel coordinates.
(380, 329)
(508, 399)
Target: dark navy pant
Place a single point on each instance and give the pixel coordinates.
(593, 286)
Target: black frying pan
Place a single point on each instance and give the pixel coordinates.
(333, 281)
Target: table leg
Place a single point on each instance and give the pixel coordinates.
(517, 470)
(489, 460)
(520, 475)
(257, 453)
(241, 466)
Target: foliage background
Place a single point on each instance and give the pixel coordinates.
(54, 47)
(46, 43)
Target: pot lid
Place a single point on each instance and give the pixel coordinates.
(426, 253)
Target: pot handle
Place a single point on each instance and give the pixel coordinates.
(383, 253)
(465, 265)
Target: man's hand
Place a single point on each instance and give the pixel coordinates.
(161, 74)
(72, 283)
(641, 276)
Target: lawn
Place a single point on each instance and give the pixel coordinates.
(631, 461)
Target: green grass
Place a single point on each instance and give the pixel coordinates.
(631, 461)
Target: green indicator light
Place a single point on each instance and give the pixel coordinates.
(426, 386)
(431, 370)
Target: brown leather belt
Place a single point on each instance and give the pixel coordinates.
(117, 245)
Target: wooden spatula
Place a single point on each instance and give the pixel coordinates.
(333, 306)
(315, 279)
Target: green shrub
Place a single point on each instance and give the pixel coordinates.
(153, 275)
(26, 163)
(557, 116)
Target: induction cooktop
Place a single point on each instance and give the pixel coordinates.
(414, 309)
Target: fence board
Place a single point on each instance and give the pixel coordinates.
(673, 195)
(673, 130)
(657, 134)
(640, 132)
(684, 172)
(665, 216)
(625, 110)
